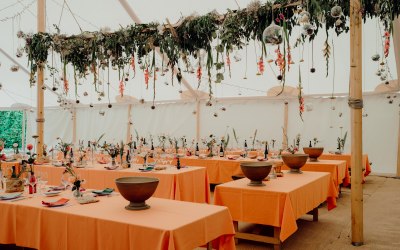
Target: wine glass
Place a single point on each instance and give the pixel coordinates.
(65, 180)
(43, 181)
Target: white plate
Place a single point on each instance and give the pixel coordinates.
(10, 196)
(52, 193)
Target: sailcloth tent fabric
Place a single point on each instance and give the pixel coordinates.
(242, 95)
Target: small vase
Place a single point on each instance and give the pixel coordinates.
(113, 162)
(77, 192)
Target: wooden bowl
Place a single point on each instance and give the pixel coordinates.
(313, 152)
(137, 190)
(295, 161)
(256, 171)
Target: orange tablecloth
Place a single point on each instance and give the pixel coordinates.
(338, 169)
(280, 203)
(347, 158)
(5, 165)
(186, 184)
(220, 170)
(105, 225)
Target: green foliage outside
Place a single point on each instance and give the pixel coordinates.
(11, 127)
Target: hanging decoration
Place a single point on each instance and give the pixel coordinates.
(300, 97)
(269, 23)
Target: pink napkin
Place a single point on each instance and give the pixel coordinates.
(60, 202)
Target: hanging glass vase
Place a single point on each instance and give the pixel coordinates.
(273, 34)
(336, 11)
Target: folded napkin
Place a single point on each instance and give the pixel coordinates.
(58, 203)
(58, 188)
(106, 191)
(146, 169)
(86, 200)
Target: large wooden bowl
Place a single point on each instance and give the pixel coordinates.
(256, 171)
(295, 161)
(137, 190)
(313, 152)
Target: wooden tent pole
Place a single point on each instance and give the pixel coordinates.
(396, 46)
(129, 124)
(41, 8)
(285, 125)
(74, 127)
(398, 152)
(197, 121)
(356, 105)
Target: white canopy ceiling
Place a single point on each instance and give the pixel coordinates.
(95, 14)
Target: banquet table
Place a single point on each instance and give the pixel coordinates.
(186, 184)
(168, 224)
(347, 158)
(338, 169)
(279, 203)
(7, 164)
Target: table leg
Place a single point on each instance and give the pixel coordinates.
(277, 232)
(315, 214)
(209, 246)
(236, 227)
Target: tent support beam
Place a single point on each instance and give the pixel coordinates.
(41, 27)
(74, 127)
(197, 121)
(356, 105)
(285, 126)
(129, 124)
(137, 20)
(396, 47)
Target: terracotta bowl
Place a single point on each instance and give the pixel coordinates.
(295, 161)
(256, 171)
(137, 190)
(313, 152)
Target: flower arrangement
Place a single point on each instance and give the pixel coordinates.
(112, 150)
(162, 139)
(63, 146)
(296, 144)
(81, 151)
(209, 142)
(315, 141)
(75, 180)
(32, 155)
(341, 142)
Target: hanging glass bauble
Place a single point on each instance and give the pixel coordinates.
(336, 11)
(383, 77)
(273, 34)
(85, 93)
(299, 7)
(102, 113)
(308, 29)
(1, 86)
(375, 57)
(304, 17)
(14, 68)
(19, 52)
(338, 23)
(378, 72)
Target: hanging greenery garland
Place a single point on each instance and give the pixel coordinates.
(90, 52)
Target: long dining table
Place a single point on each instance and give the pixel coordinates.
(278, 204)
(338, 170)
(167, 224)
(186, 184)
(347, 157)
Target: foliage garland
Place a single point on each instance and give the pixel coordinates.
(89, 52)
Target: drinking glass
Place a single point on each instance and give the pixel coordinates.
(43, 181)
(65, 181)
